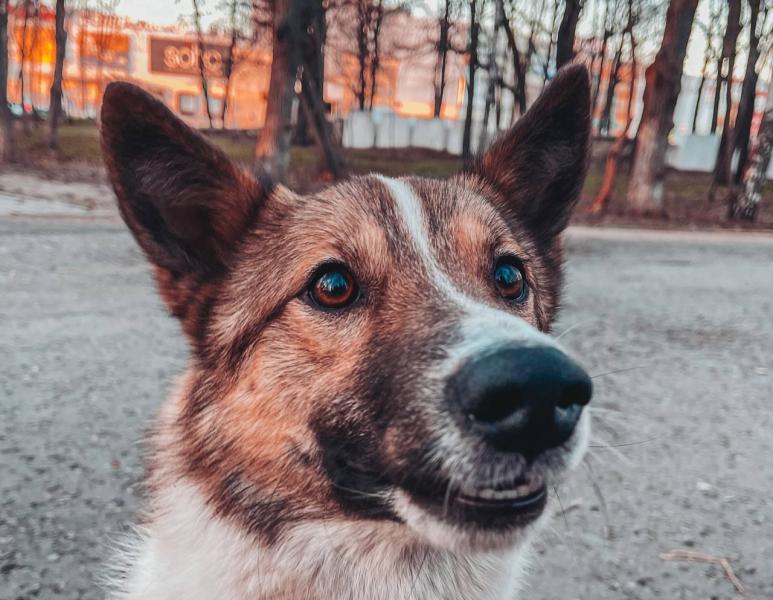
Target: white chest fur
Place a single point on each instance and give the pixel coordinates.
(188, 552)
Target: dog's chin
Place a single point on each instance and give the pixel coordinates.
(492, 515)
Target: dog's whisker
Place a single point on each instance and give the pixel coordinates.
(575, 326)
(600, 496)
(447, 496)
(602, 419)
(561, 506)
(619, 416)
(616, 430)
(564, 536)
(361, 493)
(620, 426)
(616, 371)
(605, 409)
(607, 446)
(625, 444)
(418, 572)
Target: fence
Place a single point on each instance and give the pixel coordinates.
(364, 129)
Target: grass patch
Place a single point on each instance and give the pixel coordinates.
(79, 142)
(685, 200)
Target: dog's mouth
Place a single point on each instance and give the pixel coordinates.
(523, 499)
(501, 504)
(499, 493)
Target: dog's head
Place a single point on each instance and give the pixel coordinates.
(376, 351)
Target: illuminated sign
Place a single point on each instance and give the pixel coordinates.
(181, 57)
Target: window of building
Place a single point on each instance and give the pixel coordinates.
(215, 105)
(188, 104)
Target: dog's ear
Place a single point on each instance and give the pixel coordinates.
(187, 204)
(538, 167)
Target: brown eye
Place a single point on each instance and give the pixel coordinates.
(333, 288)
(510, 281)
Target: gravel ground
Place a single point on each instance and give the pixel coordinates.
(87, 354)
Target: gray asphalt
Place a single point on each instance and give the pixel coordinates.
(87, 354)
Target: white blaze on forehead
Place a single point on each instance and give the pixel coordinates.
(483, 325)
(409, 208)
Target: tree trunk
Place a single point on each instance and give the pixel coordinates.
(228, 65)
(35, 64)
(531, 45)
(362, 54)
(375, 58)
(723, 56)
(551, 42)
(473, 67)
(605, 36)
(519, 68)
(483, 134)
(715, 16)
(493, 77)
(82, 24)
(663, 83)
(602, 62)
(55, 108)
(743, 120)
(313, 107)
(6, 120)
(272, 152)
(698, 98)
(725, 152)
(202, 66)
(745, 203)
(604, 195)
(566, 32)
(743, 125)
(717, 97)
(314, 63)
(313, 33)
(105, 29)
(295, 40)
(23, 56)
(606, 115)
(706, 60)
(441, 61)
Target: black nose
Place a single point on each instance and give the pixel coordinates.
(522, 399)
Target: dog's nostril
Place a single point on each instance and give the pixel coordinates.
(565, 419)
(495, 406)
(576, 393)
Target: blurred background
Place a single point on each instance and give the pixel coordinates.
(670, 276)
(362, 85)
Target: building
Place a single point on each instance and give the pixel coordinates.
(165, 60)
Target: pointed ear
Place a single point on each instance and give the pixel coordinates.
(187, 204)
(538, 167)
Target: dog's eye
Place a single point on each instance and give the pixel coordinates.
(333, 287)
(509, 280)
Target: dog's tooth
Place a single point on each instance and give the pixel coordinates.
(515, 493)
(505, 495)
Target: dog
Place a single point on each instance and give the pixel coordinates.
(373, 407)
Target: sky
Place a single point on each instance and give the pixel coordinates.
(161, 12)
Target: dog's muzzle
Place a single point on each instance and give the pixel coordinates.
(517, 407)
